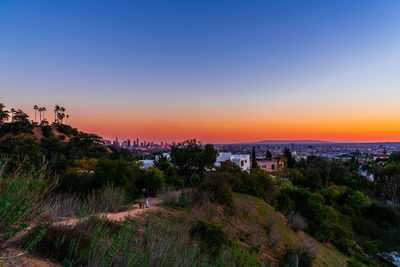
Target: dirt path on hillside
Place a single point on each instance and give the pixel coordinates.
(119, 216)
(14, 256)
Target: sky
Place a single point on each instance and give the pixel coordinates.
(218, 71)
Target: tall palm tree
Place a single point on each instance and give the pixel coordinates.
(62, 114)
(44, 110)
(35, 107)
(67, 118)
(56, 110)
(4, 114)
(12, 114)
(40, 114)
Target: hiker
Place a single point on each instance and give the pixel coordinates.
(146, 196)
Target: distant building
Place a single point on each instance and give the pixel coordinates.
(381, 156)
(269, 165)
(243, 161)
(292, 147)
(148, 163)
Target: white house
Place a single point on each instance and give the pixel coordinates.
(243, 161)
(147, 163)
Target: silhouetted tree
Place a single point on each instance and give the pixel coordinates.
(268, 155)
(4, 114)
(35, 108)
(12, 114)
(253, 159)
(56, 110)
(191, 157)
(290, 161)
(43, 110)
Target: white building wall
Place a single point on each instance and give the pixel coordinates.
(243, 161)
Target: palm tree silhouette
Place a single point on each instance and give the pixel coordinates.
(4, 114)
(35, 107)
(40, 114)
(43, 109)
(56, 109)
(12, 114)
(67, 118)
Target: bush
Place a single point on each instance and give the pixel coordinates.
(297, 256)
(219, 190)
(353, 262)
(66, 129)
(297, 222)
(212, 234)
(154, 180)
(34, 236)
(69, 246)
(21, 198)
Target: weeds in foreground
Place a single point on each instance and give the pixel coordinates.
(110, 199)
(149, 241)
(21, 197)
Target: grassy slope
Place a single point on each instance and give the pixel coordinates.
(248, 226)
(37, 135)
(252, 217)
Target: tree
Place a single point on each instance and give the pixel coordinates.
(12, 114)
(268, 155)
(4, 114)
(43, 110)
(191, 157)
(56, 110)
(389, 180)
(21, 117)
(290, 161)
(35, 108)
(253, 159)
(395, 157)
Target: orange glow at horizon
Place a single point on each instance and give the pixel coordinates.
(231, 127)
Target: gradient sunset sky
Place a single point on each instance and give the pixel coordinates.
(217, 71)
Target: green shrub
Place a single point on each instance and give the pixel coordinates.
(220, 192)
(34, 236)
(68, 245)
(296, 256)
(183, 199)
(353, 262)
(154, 180)
(47, 131)
(21, 198)
(212, 234)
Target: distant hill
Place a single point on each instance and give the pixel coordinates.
(284, 142)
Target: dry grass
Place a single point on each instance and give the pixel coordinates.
(110, 199)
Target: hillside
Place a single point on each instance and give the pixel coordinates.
(263, 232)
(38, 133)
(259, 231)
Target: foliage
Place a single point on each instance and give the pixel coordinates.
(109, 199)
(212, 234)
(218, 187)
(21, 196)
(4, 114)
(192, 157)
(290, 160)
(297, 256)
(254, 164)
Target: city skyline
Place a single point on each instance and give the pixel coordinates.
(220, 72)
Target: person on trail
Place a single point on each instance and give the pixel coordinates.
(146, 196)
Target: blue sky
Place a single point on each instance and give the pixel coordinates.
(200, 57)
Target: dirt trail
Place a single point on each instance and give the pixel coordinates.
(119, 216)
(13, 256)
